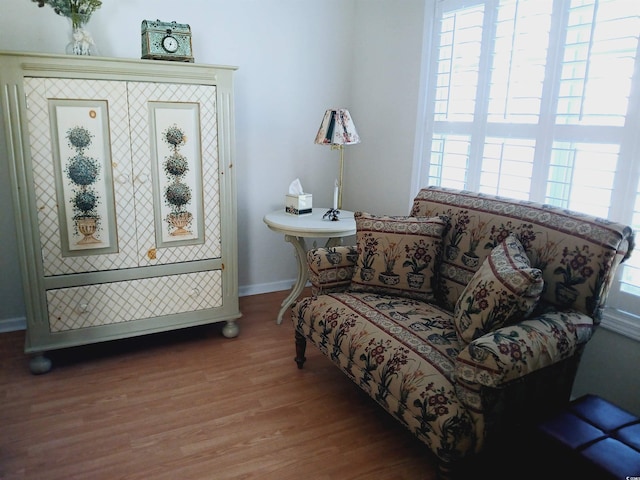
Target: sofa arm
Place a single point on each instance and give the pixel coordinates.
(512, 352)
(331, 268)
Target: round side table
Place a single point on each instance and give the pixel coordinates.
(298, 227)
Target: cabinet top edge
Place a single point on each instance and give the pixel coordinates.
(105, 62)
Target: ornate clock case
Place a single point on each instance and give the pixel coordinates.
(166, 41)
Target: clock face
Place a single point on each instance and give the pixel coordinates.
(170, 44)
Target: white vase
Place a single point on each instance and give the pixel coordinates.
(81, 40)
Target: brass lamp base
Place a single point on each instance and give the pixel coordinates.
(332, 214)
(341, 148)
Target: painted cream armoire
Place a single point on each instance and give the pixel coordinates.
(124, 195)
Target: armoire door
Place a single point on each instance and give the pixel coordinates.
(143, 155)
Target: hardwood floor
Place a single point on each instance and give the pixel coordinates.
(194, 405)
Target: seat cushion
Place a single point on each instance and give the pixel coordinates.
(504, 287)
(397, 255)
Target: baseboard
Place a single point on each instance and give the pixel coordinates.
(622, 324)
(12, 324)
(260, 288)
(20, 323)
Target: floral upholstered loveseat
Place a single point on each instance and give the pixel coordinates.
(466, 318)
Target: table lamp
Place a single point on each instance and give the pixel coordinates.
(337, 129)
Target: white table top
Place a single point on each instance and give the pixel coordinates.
(312, 225)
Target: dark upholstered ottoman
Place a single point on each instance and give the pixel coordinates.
(591, 439)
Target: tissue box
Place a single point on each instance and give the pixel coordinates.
(298, 204)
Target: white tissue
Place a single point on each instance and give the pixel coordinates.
(295, 187)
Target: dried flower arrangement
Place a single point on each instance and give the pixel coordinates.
(79, 11)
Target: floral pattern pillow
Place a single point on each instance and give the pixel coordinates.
(397, 255)
(505, 287)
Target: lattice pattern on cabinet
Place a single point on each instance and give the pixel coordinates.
(94, 305)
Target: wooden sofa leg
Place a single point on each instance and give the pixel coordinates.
(301, 347)
(446, 471)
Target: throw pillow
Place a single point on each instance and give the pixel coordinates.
(505, 287)
(397, 255)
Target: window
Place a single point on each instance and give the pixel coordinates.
(540, 100)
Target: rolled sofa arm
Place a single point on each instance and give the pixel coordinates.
(331, 268)
(512, 352)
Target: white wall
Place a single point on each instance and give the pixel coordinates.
(386, 90)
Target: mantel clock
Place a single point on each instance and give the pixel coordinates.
(166, 41)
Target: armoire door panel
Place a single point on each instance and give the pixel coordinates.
(49, 158)
(151, 106)
(83, 176)
(176, 167)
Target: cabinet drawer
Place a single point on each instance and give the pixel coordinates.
(110, 303)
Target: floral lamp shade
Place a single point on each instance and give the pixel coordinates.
(337, 128)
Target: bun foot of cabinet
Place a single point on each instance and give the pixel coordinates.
(230, 330)
(39, 364)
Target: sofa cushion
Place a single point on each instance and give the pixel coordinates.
(504, 287)
(397, 254)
